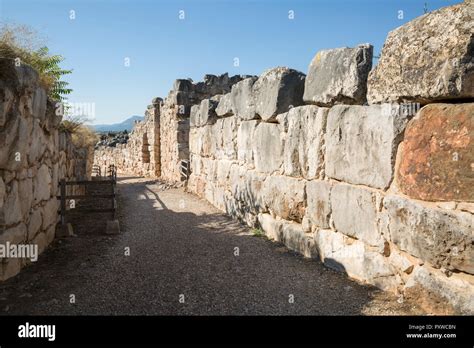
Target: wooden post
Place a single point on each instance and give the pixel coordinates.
(63, 202)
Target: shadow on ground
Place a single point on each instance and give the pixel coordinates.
(182, 261)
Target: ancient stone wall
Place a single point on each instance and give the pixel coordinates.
(176, 117)
(158, 144)
(34, 156)
(383, 190)
(141, 154)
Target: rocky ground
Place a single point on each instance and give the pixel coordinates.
(111, 139)
(182, 261)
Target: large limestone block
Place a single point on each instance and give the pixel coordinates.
(217, 139)
(427, 283)
(304, 145)
(443, 238)
(354, 211)
(339, 76)
(276, 90)
(34, 224)
(319, 202)
(355, 258)
(41, 240)
(38, 143)
(245, 142)
(248, 188)
(12, 206)
(25, 192)
(430, 58)
(50, 213)
(42, 184)
(14, 235)
(39, 103)
(223, 172)
(229, 137)
(285, 197)
(437, 161)
(267, 148)
(225, 106)
(207, 112)
(294, 238)
(361, 143)
(289, 233)
(194, 115)
(270, 226)
(243, 102)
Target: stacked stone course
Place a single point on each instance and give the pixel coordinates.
(376, 190)
(34, 156)
(342, 164)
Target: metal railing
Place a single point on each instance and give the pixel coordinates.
(185, 169)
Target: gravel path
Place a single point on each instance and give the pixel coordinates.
(182, 248)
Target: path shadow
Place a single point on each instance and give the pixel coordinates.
(180, 245)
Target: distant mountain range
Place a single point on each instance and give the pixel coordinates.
(117, 127)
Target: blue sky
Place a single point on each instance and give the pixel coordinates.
(162, 47)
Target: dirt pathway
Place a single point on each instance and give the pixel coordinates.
(182, 262)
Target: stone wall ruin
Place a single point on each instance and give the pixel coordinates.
(369, 170)
(34, 156)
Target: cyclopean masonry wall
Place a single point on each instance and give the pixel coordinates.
(158, 144)
(141, 154)
(34, 156)
(383, 190)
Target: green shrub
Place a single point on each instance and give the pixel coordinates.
(21, 43)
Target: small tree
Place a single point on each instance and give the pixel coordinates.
(21, 43)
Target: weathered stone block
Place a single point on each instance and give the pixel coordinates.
(443, 238)
(243, 102)
(50, 213)
(339, 76)
(229, 137)
(25, 193)
(34, 224)
(427, 283)
(294, 238)
(430, 58)
(12, 206)
(354, 211)
(276, 90)
(39, 103)
(361, 143)
(304, 145)
(245, 142)
(42, 184)
(285, 197)
(319, 202)
(194, 115)
(14, 235)
(207, 112)
(437, 161)
(225, 106)
(41, 240)
(267, 148)
(355, 258)
(270, 226)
